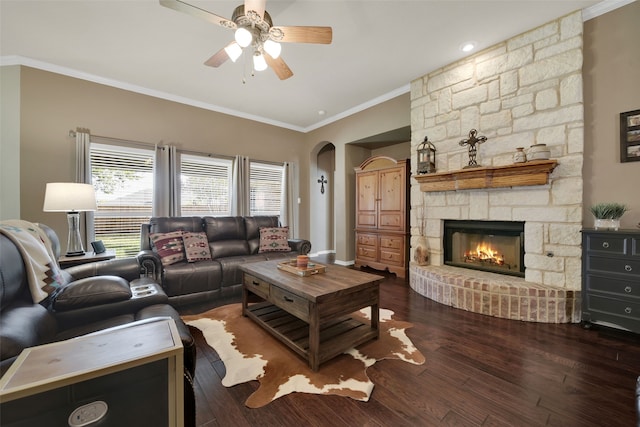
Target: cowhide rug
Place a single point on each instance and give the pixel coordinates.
(250, 353)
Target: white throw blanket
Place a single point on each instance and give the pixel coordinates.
(43, 273)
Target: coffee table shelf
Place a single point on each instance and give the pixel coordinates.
(336, 335)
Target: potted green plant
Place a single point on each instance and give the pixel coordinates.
(607, 215)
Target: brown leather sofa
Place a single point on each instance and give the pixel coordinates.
(93, 297)
(232, 241)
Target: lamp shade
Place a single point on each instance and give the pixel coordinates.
(272, 48)
(233, 51)
(259, 63)
(243, 37)
(69, 197)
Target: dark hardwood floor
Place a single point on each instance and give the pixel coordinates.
(479, 371)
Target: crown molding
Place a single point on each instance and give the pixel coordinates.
(602, 8)
(45, 66)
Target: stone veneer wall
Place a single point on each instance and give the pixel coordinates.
(524, 91)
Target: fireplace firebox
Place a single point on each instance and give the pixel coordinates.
(496, 246)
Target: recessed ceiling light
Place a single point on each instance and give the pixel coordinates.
(468, 46)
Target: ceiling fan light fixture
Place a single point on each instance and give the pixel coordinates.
(272, 48)
(233, 51)
(259, 63)
(243, 37)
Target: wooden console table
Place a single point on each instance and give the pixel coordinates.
(321, 304)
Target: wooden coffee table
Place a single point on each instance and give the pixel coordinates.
(311, 315)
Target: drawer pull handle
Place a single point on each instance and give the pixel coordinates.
(288, 299)
(627, 310)
(628, 268)
(605, 245)
(255, 283)
(627, 289)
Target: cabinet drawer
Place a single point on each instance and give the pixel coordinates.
(291, 303)
(614, 306)
(391, 256)
(614, 265)
(622, 287)
(367, 239)
(635, 246)
(390, 242)
(368, 252)
(257, 286)
(608, 244)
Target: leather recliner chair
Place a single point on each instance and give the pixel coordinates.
(93, 297)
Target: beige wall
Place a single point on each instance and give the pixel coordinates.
(611, 76)
(390, 115)
(53, 104)
(9, 142)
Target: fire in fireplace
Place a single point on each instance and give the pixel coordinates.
(496, 246)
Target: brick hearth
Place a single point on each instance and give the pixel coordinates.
(495, 295)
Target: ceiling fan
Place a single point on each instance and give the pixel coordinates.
(253, 27)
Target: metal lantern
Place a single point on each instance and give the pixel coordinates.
(426, 157)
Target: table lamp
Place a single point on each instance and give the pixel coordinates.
(72, 198)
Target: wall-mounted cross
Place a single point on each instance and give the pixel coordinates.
(322, 182)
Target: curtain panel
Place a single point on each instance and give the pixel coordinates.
(166, 185)
(83, 176)
(240, 187)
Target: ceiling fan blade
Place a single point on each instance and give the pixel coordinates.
(218, 58)
(181, 6)
(255, 5)
(278, 65)
(322, 35)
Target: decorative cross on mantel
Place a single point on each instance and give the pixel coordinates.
(322, 181)
(473, 150)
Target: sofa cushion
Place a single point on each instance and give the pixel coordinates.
(22, 326)
(274, 239)
(226, 236)
(169, 246)
(179, 223)
(91, 291)
(186, 278)
(253, 225)
(196, 246)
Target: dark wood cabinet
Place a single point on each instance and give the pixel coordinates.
(382, 214)
(611, 278)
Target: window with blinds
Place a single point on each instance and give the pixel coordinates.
(123, 180)
(265, 182)
(205, 186)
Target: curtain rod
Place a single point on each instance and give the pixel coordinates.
(72, 134)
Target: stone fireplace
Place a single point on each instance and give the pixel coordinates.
(524, 91)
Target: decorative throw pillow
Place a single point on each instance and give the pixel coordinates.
(274, 239)
(168, 246)
(196, 246)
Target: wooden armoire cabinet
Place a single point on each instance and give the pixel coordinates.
(382, 208)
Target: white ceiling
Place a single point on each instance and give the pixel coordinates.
(378, 48)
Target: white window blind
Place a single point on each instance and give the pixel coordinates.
(123, 179)
(205, 186)
(265, 182)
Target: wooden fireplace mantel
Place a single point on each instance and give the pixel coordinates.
(535, 172)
